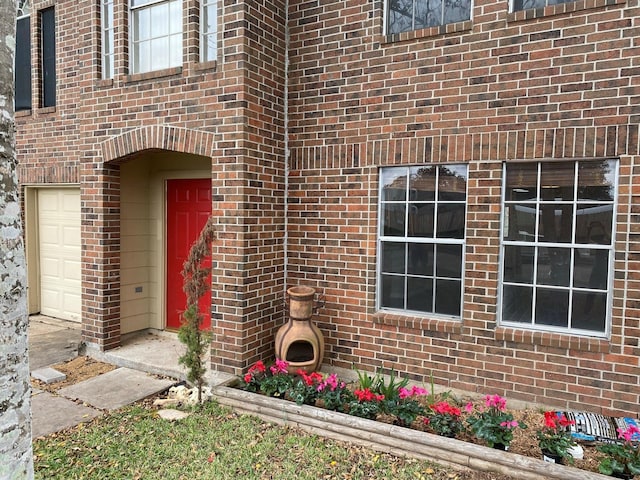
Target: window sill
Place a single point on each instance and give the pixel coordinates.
(553, 339)
(560, 9)
(167, 72)
(430, 32)
(23, 113)
(46, 110)
(105, 83)
(202, 66)
(417, 323)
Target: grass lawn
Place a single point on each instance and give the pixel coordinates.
(213, 443)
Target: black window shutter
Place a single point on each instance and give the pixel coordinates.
(23, 64)
(48, 24)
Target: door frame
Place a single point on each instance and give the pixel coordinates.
(159, 182)
(32, 240)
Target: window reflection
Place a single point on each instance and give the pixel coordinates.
(422, 228)
(558, 222)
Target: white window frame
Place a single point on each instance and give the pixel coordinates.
(434, 240)
(413, 20)
(208, 38)
(573, 246)
(24, 9)
(108, 38)
(137, 7)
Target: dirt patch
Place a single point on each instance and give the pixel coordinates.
(76, 370)
(526, 443)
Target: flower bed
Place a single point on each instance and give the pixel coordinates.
(351, 412)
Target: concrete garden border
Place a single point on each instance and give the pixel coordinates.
(396, 440)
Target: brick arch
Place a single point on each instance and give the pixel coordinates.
(160, 137)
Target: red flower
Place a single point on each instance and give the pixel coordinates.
(444, 408)
(257, 367)
(554, 421)
(550, 419)
(247, 377)
(367, 395)
(310, 379)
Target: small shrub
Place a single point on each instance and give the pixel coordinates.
(491, 422)
(366, 404)
(334, 394)
(444, 419)
(554, 437)
(624, 457)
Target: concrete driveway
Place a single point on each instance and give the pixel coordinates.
(52, 341)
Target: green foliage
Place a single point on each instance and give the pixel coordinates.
(444, 419)
(276, 385)
(405, 410)
(195, 286)
(622, 457)
(197, 342)
(366, 381)
(334, 395)
(492, 423)
(391, 388)
(366, 409)
(555, 437)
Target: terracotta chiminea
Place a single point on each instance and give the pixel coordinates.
(299, 341)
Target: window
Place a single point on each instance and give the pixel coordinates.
(528, 4)
(48, 52)
(156, 34)
(421, 238)
(23, 57)
(557, 245)
(209, 30)
(106, 15)
(407, 15)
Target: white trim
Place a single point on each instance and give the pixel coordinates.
(571, 246)
(434, 240)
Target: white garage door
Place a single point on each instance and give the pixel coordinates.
(59, 251)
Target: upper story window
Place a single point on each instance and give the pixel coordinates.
(407, 15)
(557, 245)
(156, 34)
(106, 15)
(48, 56)
(528, 4)
(208, 30)
(421, 238)
(23, 57)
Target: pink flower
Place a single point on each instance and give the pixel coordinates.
(415, 391)
(509, 424)
(331, 382)
(468, 407)
(495, 401)
(281, 366)
(628, 433)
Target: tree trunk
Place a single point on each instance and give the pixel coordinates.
(16, 457)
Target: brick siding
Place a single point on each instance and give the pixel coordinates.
(558, 82)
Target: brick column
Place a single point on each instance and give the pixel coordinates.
(100, 203)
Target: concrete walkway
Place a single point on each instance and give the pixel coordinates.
(53, 341)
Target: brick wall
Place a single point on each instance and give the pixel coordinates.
(558, 82)
(231, 110)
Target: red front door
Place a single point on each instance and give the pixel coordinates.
(188, 208)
